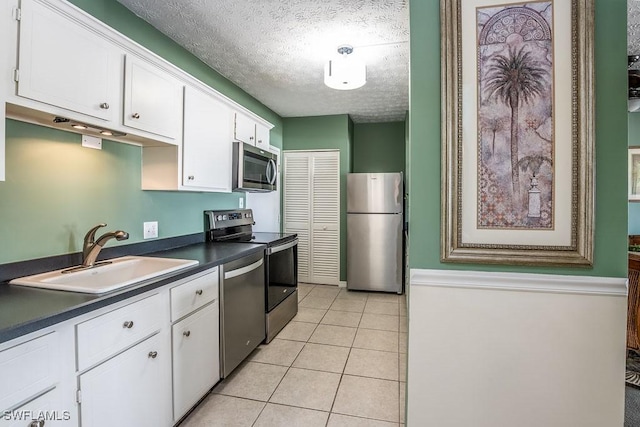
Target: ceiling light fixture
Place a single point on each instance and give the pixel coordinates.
(345, 72)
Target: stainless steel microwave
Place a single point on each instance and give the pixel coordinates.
(254, 169)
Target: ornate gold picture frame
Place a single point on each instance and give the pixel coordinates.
(517, 132)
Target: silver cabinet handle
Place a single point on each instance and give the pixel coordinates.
(104, 106)
(128, 324)
(199, 292)
(186, 333)
(153, 354)
(135, 115)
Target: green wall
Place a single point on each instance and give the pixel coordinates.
(379, 147)
(325, 132)
(610, 258)
(55, 190)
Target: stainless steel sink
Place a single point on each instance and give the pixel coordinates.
(115, 274)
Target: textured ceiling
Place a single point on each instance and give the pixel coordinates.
(276, 49)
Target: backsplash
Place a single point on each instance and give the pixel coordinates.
(56, 190)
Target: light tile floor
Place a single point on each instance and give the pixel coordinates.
(340, 362)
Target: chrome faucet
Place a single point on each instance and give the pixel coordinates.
(92, 247)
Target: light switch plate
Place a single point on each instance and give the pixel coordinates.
(150, 230)
(241, 203)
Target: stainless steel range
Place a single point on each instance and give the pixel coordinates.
(281, 262)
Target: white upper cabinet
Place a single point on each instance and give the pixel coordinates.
(57, 60)
(262, 136)
(250, 131)
(244, 129)
(207, 144)
(152, 99)
(65, 64)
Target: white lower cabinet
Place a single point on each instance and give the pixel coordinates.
(43, 411)
(144, 361)
(196, 357)
(38, 383)
(28, 369)
(130, 389)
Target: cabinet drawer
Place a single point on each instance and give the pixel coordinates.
(27, 369)
(46, 408)
(194, 294)
(106, 335)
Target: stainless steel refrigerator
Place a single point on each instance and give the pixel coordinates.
(375, 231)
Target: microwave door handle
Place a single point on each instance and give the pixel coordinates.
(272, 180)
(268, 172)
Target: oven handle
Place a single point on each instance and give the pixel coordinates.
(280, 248)
(242, 270)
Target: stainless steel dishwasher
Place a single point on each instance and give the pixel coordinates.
(242, 322)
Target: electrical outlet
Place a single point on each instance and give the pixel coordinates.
(150, 229)
(241, 203)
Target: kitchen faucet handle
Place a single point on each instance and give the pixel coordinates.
(90, 237)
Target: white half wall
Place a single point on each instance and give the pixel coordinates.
(508, 349)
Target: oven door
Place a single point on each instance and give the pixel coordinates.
(254, 169)
(282, 272)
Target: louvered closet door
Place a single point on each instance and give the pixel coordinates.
(297, 206)
(312, 210)
(325, 218)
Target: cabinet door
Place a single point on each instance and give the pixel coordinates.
(63, 63)
(325, 218)
(262, 137)
(152, 99)
(207, 145)
(131, 389)
(245, 129)
(196, 357)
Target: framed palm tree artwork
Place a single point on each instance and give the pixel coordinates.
(517, 132)
(634, 174)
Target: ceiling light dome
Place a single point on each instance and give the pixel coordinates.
(345, 72)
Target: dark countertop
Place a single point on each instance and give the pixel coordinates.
(24, 310)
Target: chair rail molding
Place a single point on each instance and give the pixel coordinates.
(525, 282)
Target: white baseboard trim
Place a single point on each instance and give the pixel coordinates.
(342, 284)
(527, 282)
